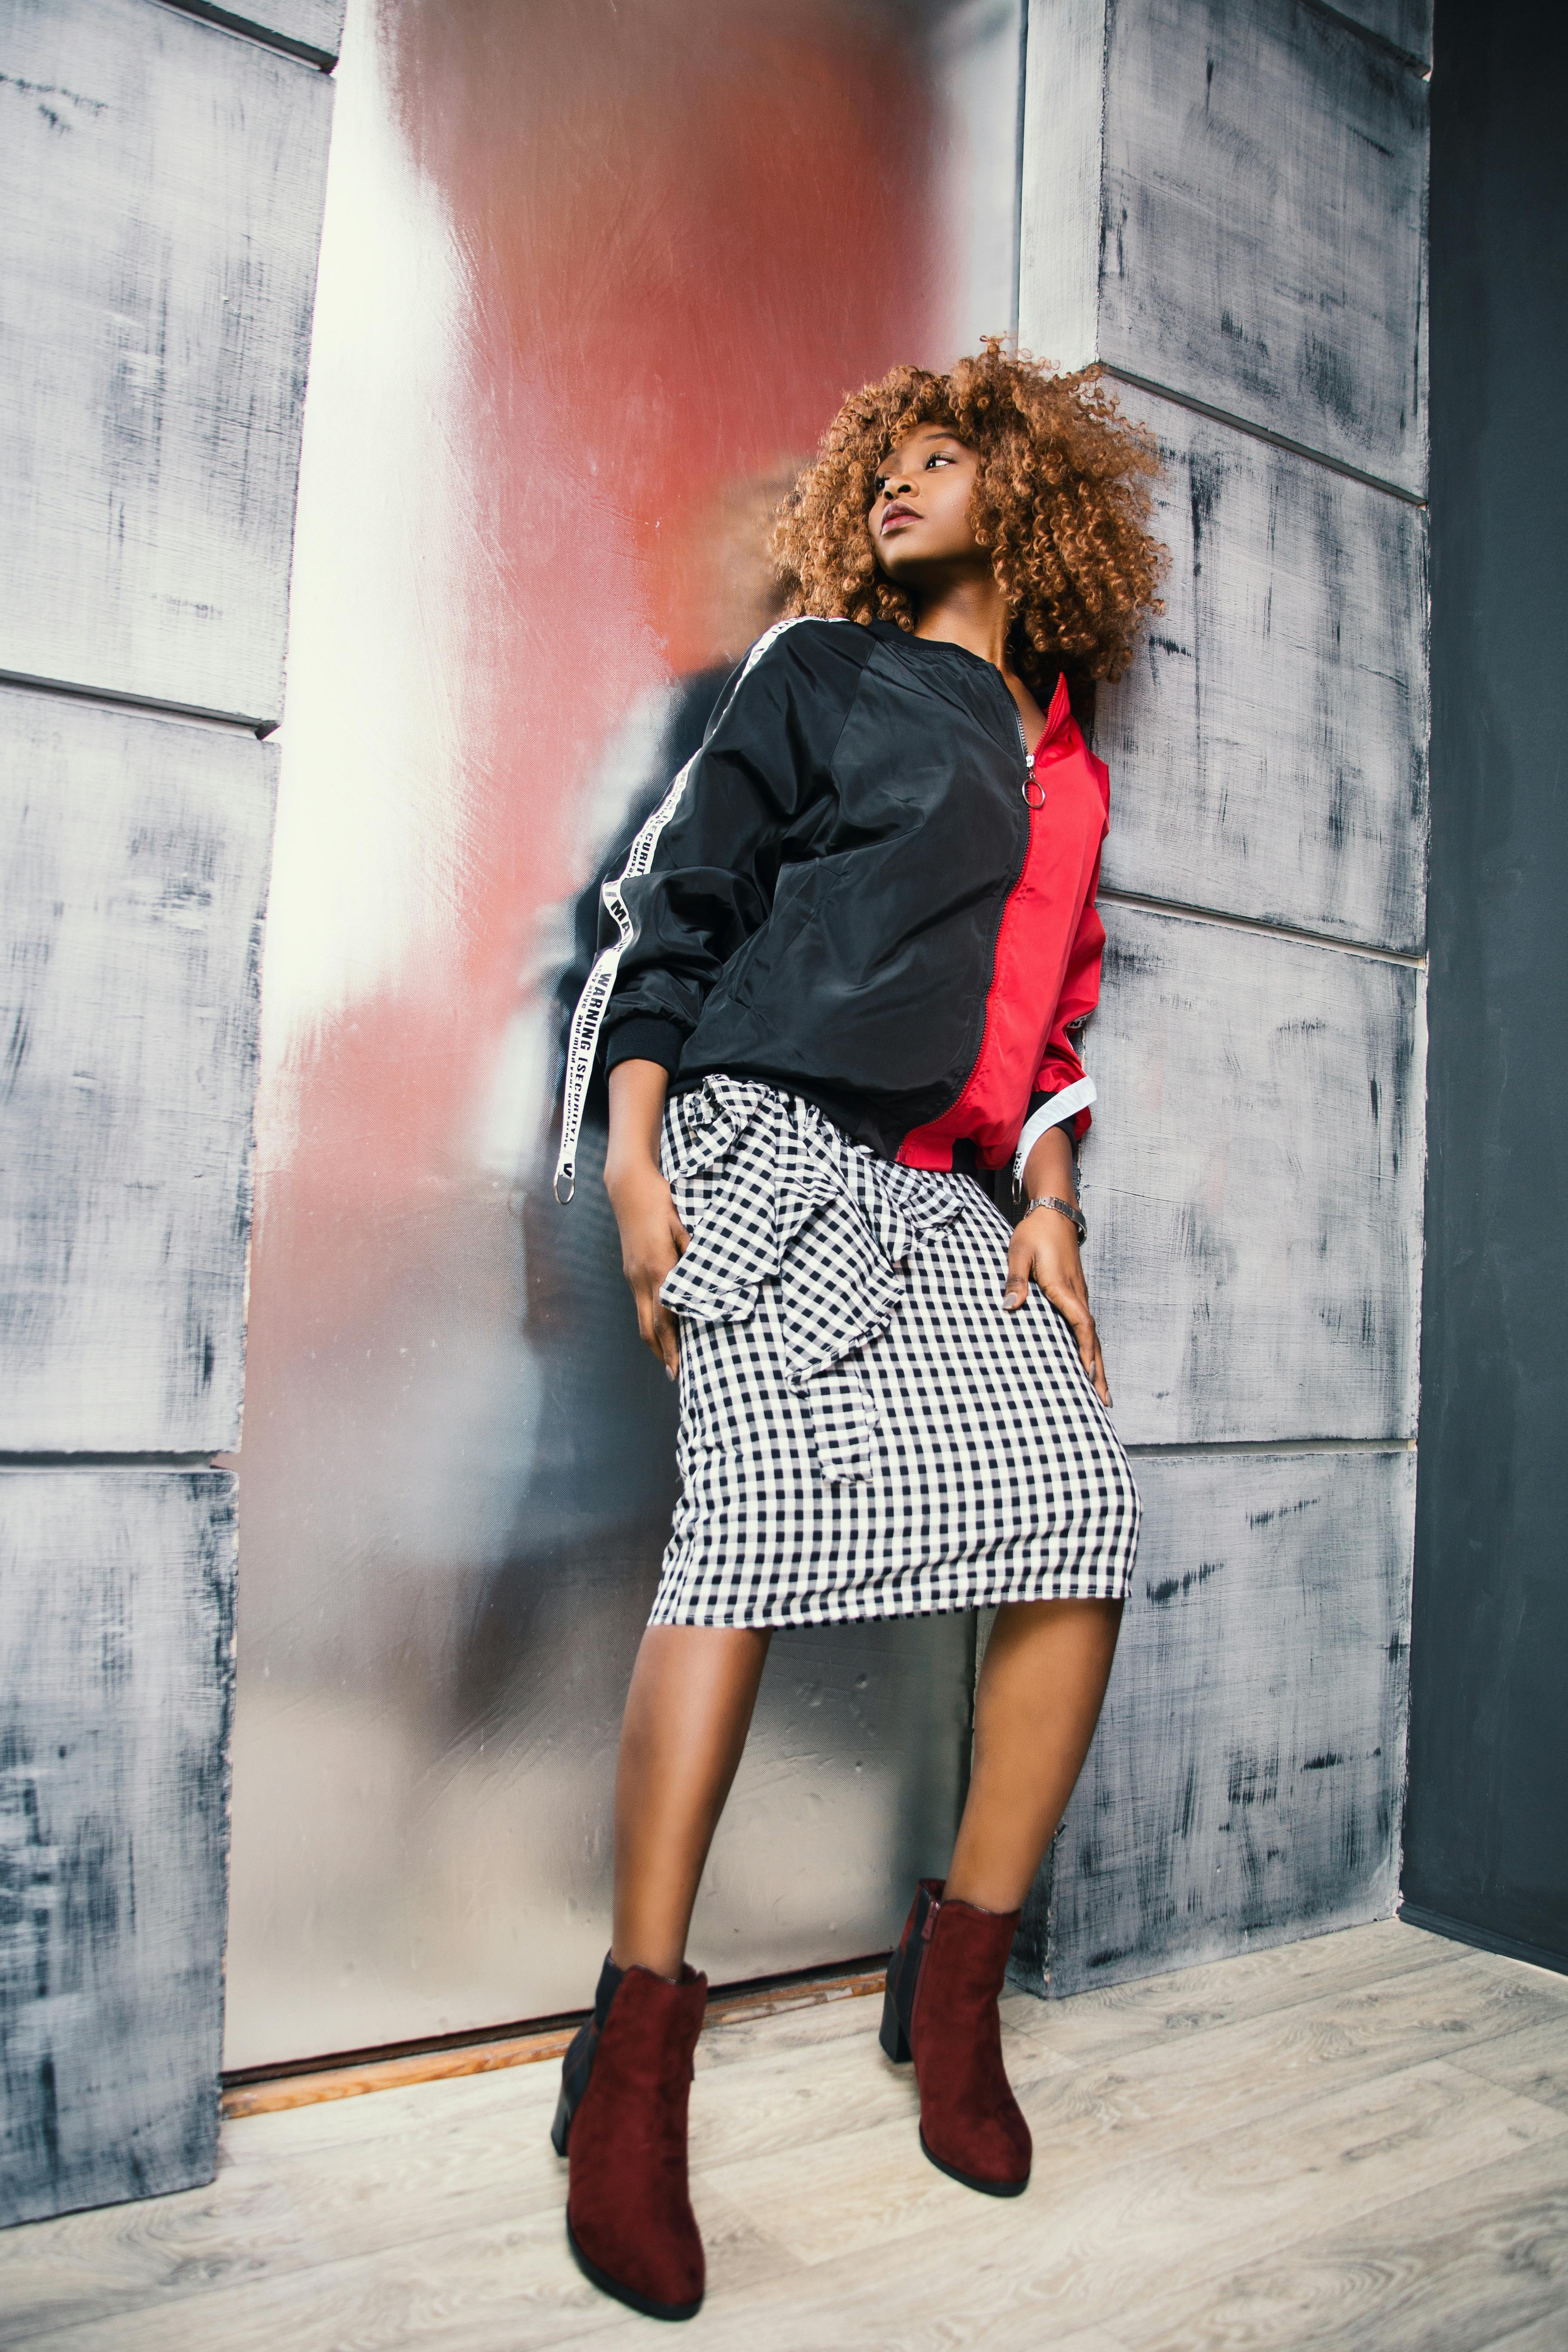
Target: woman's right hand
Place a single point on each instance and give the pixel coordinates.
(652, 1240)
(652, 1236)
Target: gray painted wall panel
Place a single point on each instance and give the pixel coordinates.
(1254, 1194)
(1265, 176)
(1262, 192)
(133, 869)
(1269, 751)
(1246, 1782)
(161, 187)
(316, 26)
(116, 1686)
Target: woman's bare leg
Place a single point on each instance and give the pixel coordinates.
(1038, 1698)
(687, 1713)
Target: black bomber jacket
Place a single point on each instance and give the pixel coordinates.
(864, 889)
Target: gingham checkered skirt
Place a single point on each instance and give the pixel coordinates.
(864, 1430)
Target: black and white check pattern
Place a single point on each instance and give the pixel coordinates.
(864, 1432)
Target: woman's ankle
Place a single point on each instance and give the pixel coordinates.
(981, 1894)
(636, 1953)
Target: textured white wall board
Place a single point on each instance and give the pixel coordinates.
(1268, 751)
(133, 869)
(1253, 1184)
(313, 27)
(1063, 171)
(1246, 1782)
(161, 187)
(116, 1688)
(1405, 23)
(1261, 208)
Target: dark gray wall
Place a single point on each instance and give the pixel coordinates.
(1486, 1825)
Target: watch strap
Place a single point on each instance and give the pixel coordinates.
(1074, 1216)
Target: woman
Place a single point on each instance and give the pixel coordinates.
(845, 959)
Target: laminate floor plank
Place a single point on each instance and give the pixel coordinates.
(1531, 2059)
(1548, 2335)
(1260, 2063)
(1437, 2272)
(1359, 2141)
(1221, 1993)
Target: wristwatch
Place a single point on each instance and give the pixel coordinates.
(1075, 1217)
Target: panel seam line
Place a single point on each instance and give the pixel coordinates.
(1413, 959)
(1198, 1445)
(1259, 432)
(83, 1458)
(1419, 66)
(229, 723)
(234, 20)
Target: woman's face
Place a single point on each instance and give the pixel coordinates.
(919, 520)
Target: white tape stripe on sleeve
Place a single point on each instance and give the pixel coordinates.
(587, 1021)
(1051, 1113)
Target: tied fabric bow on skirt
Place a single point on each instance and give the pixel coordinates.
(771, 1191)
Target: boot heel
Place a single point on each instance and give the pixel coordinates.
(895, 2042)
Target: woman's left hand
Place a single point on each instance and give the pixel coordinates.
(1045, 1249)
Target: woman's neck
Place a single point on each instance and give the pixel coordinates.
(967, 611)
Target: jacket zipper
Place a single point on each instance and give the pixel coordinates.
(1031, 786)
(1025, 781)
(1028, 775)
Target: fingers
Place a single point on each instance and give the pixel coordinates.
(1067, 1294)
(657, 1327)
(653, 1243)
(1077, 1312)
(1084, 1332)
(667, 1342)
(661, 1329)
(666, 1329)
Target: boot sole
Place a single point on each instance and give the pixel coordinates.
(629, 2294)
(970, 2181)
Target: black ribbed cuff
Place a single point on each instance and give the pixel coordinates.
(645, 1037)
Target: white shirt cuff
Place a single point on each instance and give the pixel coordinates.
(1053, 1112)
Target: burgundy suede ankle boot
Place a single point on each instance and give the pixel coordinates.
(940, 2009)
(621, 2119)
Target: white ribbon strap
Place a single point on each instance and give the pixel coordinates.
(587, 1021)
(1053, 1112)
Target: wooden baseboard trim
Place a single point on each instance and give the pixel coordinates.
(1484, 1939)
(734, 2005)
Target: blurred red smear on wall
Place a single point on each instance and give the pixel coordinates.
(689, 226)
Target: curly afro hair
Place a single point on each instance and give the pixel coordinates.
(1061, 501)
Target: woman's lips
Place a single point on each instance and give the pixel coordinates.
(896, 515)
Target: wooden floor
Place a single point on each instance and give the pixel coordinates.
(1360, 2141)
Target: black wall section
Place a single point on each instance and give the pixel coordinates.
(1486, 1827)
